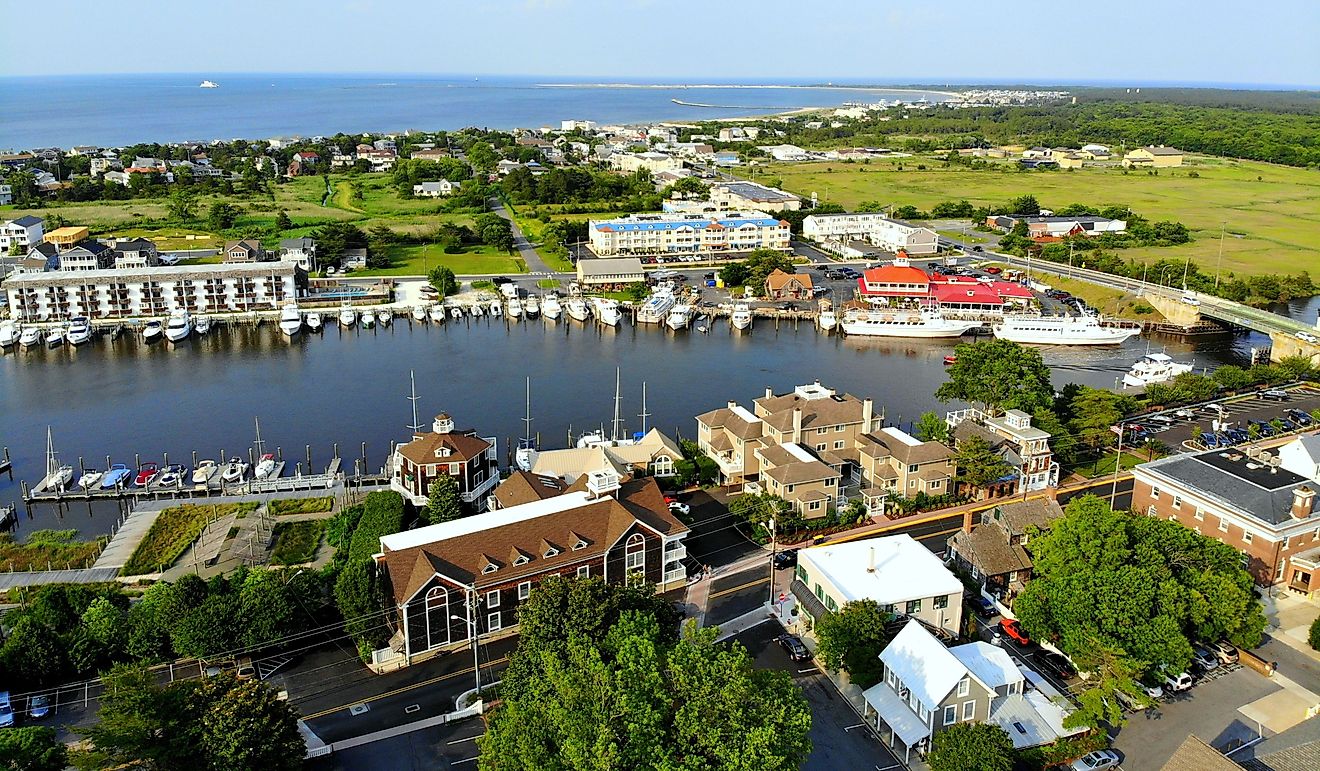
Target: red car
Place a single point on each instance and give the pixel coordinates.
(994, 271)
(1013, 629)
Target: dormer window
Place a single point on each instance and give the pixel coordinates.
(552, 551)
(522, 560)
(579, 545)
(490, 568)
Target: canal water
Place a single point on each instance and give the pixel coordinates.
(128, 400)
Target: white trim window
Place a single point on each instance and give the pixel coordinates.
(951, 714)
(584, 571)
(964, 687)
(524, 590)
(634, 554)
(493, 622)
(493, 598)
(969, 710)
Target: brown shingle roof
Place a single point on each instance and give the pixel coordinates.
(462, 447)
(1195, 755)
(926, 452)
(728, 419)
(1017, 517)
(525, 487)
(800, 473)
(777, 411)
(779, 279)
(988, 549)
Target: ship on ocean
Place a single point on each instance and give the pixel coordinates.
(209, 84)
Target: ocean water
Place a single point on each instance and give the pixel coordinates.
(112, 110)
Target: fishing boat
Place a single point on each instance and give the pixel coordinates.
(550, 307)
(656, 308)
(146, 473)
(419, 313)
(495, 308)
(80, 330)
(607, 311)
(525, 456)
(171, 475)
(115, 476)
(1154, 368)
(514, 308)
(679, 317)
(532, 307)
(437, 313)
(742, 316)
(90, 479)
(265, 467)
(153, 331)
(827, 320)
(576, 308)
(922, 322)
(8, 334)
(178, 327)
(384, 317)
(347, 317)
(204, 471)
(368, 320)
(58, 475)
(55, 336)
(202, 324)
(234, 471)
(29, 337)
(1061, 330)
(456, 311)
(290, 320)
(313, 321)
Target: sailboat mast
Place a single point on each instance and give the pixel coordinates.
(51, 465)
(617, 419)
(527, 416)
(644, 414)
(412, 382)
(260, 445)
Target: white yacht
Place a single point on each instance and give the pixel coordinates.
(265, 467)
(178, 327)
(902, 323)
(827, 319)
(495, 308)
(576, 308)
(551, 307)
(455, 311)
(209, 84)
(607, 311)
(384, 317)
(55, 336)
(419, 313)
(742, 316)
(347, 317)
(90, 479)
(57, 476)
(234, 471)
(1061, 330)
(367, 319)
(202, 324)
(290, 320)
(531, 307)
(1154, 368)
(80, 330)
(514, 308)
(679, 317)
(8, 334)
(29, 337)
(477, 309)
(153, 331)
(437, 313)
(314, 321)
(657, 306)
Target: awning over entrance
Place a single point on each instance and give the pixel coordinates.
(806, 599)
(894, 711)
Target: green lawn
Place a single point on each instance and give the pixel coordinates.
(1105, 464)
(296, 542)
(417, 260)
(44, 549)
(173, 531)
(283, 506)
(1273, 212)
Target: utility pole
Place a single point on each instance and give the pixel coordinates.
(1223, 228)
(1118, 463)
(773, 547)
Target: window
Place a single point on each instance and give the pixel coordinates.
(1155, 493)
(634, 553)
(831, 482)
(820, 593)
(493, 622)
(912, 468)
(964, 687)
(524, 590)
(1198, 513)
(830, 604)
(969, 710)
(951, 714)
(584, 571)
(493, 599)
(490, 568)
(1246, 537)
(552, 551)
(1150, 510)
(581, 544)
(523, 559)
(802, 573)
(941, 602)
(1223, 525)
(814, 505)
(838, 445)
(820, 447)
(891, 679)
(788, 488)
(838, 429)
(1177, 501)
(913, 606)
(935, 485)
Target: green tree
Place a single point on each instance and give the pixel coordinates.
(482, 157)
(978, 464)
(758, 508)
(221, 216)
(34, 748)
(444, 502)
(141, 724)
(931, 428)
(442, 278)
(382, 515)
(1093, 411)
(182, 205)
(1231, 377)
(638, 290)
(971, 747)
(282, 221)
(1313, 637)
(245, 726)
(852, 638)
(32, 655)
(1025, 204)
(361, 596)
(998, 375)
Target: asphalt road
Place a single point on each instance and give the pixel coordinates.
(737, 594)
(451, 746)
(714, 541)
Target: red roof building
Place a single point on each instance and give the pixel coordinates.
(894, 281)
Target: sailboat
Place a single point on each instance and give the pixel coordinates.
(57, 475)
(598, 438)
(525, 457)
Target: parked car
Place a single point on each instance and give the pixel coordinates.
(1264, 428)
(678, 507)
(1129, 703)
(1013, 629)
(1210, 439)
(1287, 424)
(1204, 660)
(977, 248)
(1094, 761)
(980, 604)
(793, 647)
(1299, 417)
(245, 670)
(6, 710)
(39, 706)
(784, 559)
(501, 280)
(1273, 393)
(994, 270)
(1177, 682)
(1237, 435)
(1225, 651)
(1160, 421)
(1307, 336)
(1155, 691)
(1055, 664)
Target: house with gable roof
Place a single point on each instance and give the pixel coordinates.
(472, 461)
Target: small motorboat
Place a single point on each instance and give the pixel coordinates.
(153, 331)
(314, 321)
(29, 337)
(550, 307)
(90, 478)
(456, 312)
(80, 330)
(234, 471)
(950, 359)
(55, 336)
(477, 309)
(347, 317)
(290, 320)
(514, 308)
(179, 327)
(419, 313)
(146, 474)
(115, 477)
(495, 308)
(577, 309)
(368, 319)
(532, 307)
(204, 471)
(437, 313)
(202, 324)
(265, 467)
(8, 334)
(384, 317)
(172, 475)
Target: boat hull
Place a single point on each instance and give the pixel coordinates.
(1111, 336)
(926, 330)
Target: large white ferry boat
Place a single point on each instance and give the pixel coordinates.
(915, 322)
(1154, 368)
(1061, 330)
(657, 306)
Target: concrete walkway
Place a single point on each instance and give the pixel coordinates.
(42, 577)
(126, 539)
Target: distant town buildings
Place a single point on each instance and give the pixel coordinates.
(873, 228)
(435, 189)
(1050, 227)
(750, 195)
(1153, 156)
(23, 232)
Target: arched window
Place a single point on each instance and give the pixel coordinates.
(634, 553)
(437, 617)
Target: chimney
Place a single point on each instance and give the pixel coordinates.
(1303, 502)
(732, 404)
(868, 414)
(769, 392)
(797, 424)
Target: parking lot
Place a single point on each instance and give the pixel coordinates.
(1237, 411)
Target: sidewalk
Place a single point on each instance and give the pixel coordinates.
(1291, 616)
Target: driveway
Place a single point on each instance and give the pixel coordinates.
(535, 264)
(715, 540)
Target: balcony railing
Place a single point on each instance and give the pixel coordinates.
(675, 551)
(678, 574)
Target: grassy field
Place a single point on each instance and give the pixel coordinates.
(173, 531)
(417, 260)
(47, 549)
(296, 542)
(1272, 212)
(1110, 302)
(283, 506)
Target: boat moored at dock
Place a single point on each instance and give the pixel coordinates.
(607, 311)
(313, 321)
(1062, 330)
(153, 331)
(29, 336)
(179, 327)
(437, 313)
(116, 476)
(55, 336)
(741, 318)
(576, 308)
(80, 331)
(202, 324)
(290, 320)
(347, 317)
(656, 308)
(914, 322)
(8, 334)
(532, 307)
(679, 316)
(550, 307)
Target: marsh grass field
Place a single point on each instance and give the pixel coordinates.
(1271, 213)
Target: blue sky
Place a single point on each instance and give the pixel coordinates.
(936, 41)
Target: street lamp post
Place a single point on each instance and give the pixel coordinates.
(771, 527)
(1118, 463)
(471, 620)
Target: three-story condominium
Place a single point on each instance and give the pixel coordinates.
(875, 229)
(679, 233)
